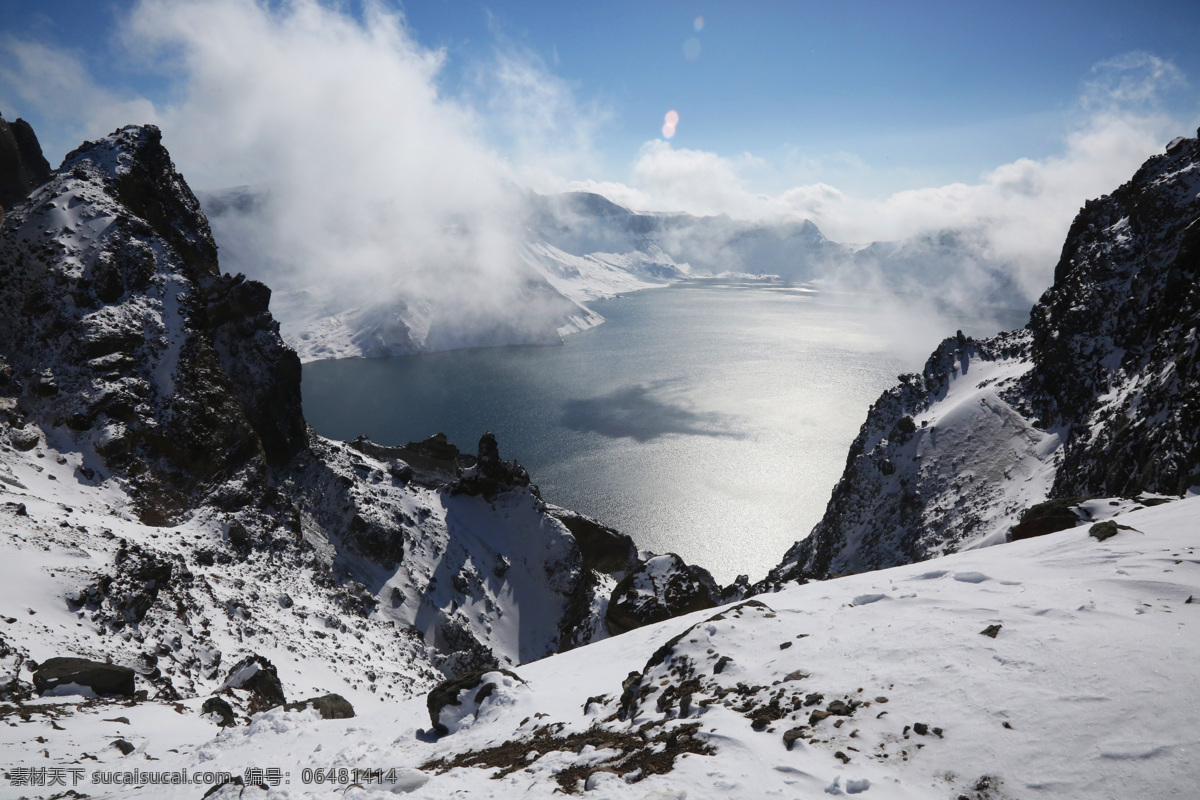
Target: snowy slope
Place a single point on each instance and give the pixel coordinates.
(885, 683)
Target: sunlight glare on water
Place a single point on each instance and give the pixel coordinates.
(710, 419)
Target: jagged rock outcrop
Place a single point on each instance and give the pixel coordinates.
(661, 588)
(23, 168)
(1099, 395)
(122, 330)
(489, 474)
(258, 677)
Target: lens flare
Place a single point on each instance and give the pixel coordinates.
(691, 49)
(699, 23)
(670, 121)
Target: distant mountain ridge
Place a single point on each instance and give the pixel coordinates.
(578, 247)
(1099, 395)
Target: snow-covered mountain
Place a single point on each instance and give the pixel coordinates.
(155, 452)
(1098, 395)
(544, 289)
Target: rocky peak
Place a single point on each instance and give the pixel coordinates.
(1115, 337)
(1099, 395)
(124, 336)
(23, 168)
(137, 170)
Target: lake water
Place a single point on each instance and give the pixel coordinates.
(710, 418)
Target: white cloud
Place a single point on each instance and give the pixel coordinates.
(379, 179)
(536, 118)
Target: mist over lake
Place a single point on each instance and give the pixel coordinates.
(710, 419)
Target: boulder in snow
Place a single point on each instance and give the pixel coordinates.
(57, 676)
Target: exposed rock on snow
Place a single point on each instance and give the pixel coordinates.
(257, 676)
(328, 706)
(657, 590)
(59, 676)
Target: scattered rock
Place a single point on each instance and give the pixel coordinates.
(841, 708)
(125, 747)
(329, 706)
(256, 675)
(920, 728)
(222, 709)
(70, 675)
(1106, 530)
(991, 630)
(24, 439)
(791, 735)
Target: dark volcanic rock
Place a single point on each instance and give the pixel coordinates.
(173, 373)
(103, 679)
(22, 165)
(604, 549)
(662, 588)
(221, 708)
(329, 706)
(257, 676)
(1048, 517)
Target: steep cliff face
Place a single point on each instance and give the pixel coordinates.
(1099, 395)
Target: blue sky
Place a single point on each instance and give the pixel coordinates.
(875, 119)
(905, 83)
